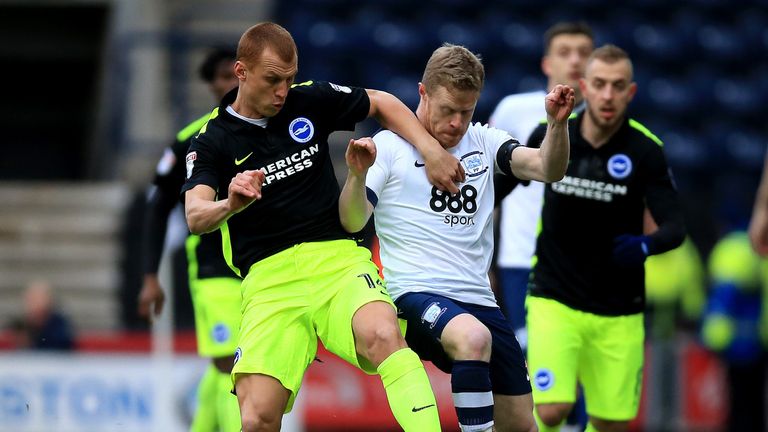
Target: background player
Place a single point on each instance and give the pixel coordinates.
(214, 287)
(585, 312)
(566, 48)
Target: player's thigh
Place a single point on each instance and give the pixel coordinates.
(554, 342)
(216, 303)
(349, 281)
(513, 413)
(612, 367)
(277, 337)
(427, 316)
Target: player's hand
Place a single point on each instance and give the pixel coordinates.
(630, 250)
(360, 155)
(559, 103)
(444, 171)
(244, 189)
(151, 295)
(758, 232)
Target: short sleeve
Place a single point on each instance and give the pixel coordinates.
(343, 106)
(200, 164)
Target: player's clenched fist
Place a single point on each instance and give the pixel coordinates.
(559, 102)
(245, 188)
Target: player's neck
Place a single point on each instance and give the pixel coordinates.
(244, 109)
(595, 135)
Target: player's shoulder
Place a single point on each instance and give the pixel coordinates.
(642, 135)
(319, 88)
(386, 136)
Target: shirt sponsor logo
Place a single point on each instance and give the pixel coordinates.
(432, 313)
(301, 129)
(220, 333)
(473, 164)
(544, 379)
(191, 158)
(289, 165)
(619, 166)
(342, 89)
(589, 189)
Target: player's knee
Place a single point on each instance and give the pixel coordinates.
(553, 414)
(469, 343)
(478, 342)
(385, 336)
(253, 421)
(376, 343)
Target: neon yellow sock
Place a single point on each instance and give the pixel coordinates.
(409, 393)
(204, 419)
(226, 405)
(542, 426)
(590, 428)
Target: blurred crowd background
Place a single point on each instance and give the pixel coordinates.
(94, 90)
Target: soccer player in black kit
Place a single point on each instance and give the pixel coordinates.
(586, 302)
(260, 171)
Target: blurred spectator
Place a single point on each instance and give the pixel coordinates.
(42, 326)
(734, 326)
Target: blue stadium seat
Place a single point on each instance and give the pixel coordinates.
(684, 148)
(656, 43)
(671, 96)
(463, 33)
(738, 95)
(722, 43)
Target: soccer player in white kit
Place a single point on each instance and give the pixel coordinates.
(436, 248)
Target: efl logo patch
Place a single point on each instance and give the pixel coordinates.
(473, 164)
(238, 354)
(432, 313)
(338, 88)
(301, 129)
(191, 158)
(619, 166)
(220, 333)
(544, 379)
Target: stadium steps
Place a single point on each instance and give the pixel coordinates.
(68, 234)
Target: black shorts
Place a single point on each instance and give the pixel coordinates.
(427, 315)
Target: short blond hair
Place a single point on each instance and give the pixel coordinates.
(610, 54)
(454, 67)
(262, 35)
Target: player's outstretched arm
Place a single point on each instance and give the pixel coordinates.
(354, 207)
(443, 170)
(206, 215)
(548, 163)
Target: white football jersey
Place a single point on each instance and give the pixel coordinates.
(520, 211)
(430, 241)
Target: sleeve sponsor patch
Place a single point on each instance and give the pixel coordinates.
(338, 88)
(191, 158)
